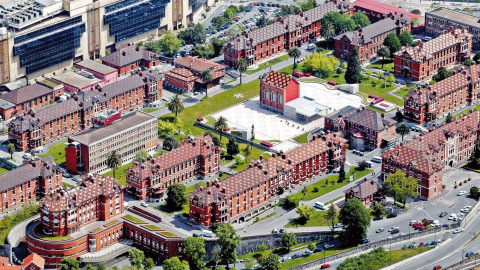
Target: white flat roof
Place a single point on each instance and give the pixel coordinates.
(306, 106)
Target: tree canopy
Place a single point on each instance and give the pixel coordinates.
(321, 64)
(288, 240)
(194, 250)
(270, 262)
(176, 197)
(174, 263)
(340, 23)
(355, 218)
(405, 39)
(169, 43)
(360, 19)
(228, 240)
(400, 187)
(354, 69)
(392, 43)
(193, 34)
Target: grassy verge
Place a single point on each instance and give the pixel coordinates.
(8, 222)
(403, 92)
(457, 115)
(312, 257)
(266, 217)
(254, 255)
(387, 65)
(3, 170)
(302, 138)
(39, 233)
(268, 64)
(317, 219)
(149, 110)
(57, 151)
(66, 185)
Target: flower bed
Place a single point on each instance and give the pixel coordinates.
(153, 227)
(133, 219)
(168, 234)
(110, 223)
(95, 230)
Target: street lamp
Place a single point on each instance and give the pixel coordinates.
(390, 251)
(463, 250)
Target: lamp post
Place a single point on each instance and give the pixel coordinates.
(463, 250)
(409, 235)
(390, 251)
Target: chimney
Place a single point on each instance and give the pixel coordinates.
(261, 157)
(124, 53)
(137, 49)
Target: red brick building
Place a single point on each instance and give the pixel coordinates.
(34, 128)
(443, 19)
(434, 102)
(186, 76)
(88, 150)
(241, 196)
(31, 262)
(276, 89)
(369, 39)
(422, 61)
(377, 11)
(195, 157)
(30, 97)
(29, 181)
(367, 191)
(90, 218)
(129, 58)
(285, 33)
(365, 129)
(426, 157)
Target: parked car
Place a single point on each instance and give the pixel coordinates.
(413, 222)
(392, 215)
(437, 267)
(327, 246)
(338, 225)
(298, 74)
(380, 230)
(307, 253)
(284, 259)
(144, 204)
(377, 159)
(67, 175)
(443, 214)
(461, 193)
(196, 235)
(422, 228)
(469, 254)
(325, 266)
(365, 241)
(377, 218)
(282, 231)
(76, 178)
(274, 231)
(294, 256)
(318, 249)
(458, 230)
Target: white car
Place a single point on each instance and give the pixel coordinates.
(144, 204)
(452, 216)
(459, 230)
(461, 193)
(377, 159)
(465, 210)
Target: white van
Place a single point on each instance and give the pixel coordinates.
(377, 159)
(320, 205)
(207, 233)
(311, 46)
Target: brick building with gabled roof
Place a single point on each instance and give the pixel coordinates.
(426, 157)
(366, 191)
(195, 157)
(129, 58)
(421, 62)
(285, 33)
(31, 262)
(276, 89)
(241, 196)
(369, 39)
(433, 102)
(377, 11)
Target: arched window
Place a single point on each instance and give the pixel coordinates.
(274, 97)
(280, 99)
(267, 95)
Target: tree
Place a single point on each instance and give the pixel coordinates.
(169, 43)
(304, 191)
(218, 21)
(390, 79)
(442, 74)
(468, 62)
(405, 39)
(69, 263)
(474, 191)
(262, 247)
(400, 187)
(241, 67)
(90, 267)
(399, 116)
(11, 149)
(232, 147)
(136, 257)
(194, 250)
(204, 51)
(294, 53)
(262, 22)
(215, 139)
(355, 218)
(360, 19)
(252, 136)
(235, 29)
(102, 266)
(141, 155)
(288, 240)
(476, 57)
(228, 240)
(328, 33)
(207, 78)
(383, 52)
(249, 263)
(114, 161)
(148, 264)
(175, 105)
(332, 217)
(170, 142)
(354, 69)
(220, 126)
(176, 197)
(305, 212)
(339, 22)
(166, 128)
(193, 34)
(341, 173)
(474, 160)
(378, 209)
(271, 261)
(217, 45)
(402, 129)
(392, 43)
(311, 246)
(307, 6)
(246, 152)
(369, 73)
(416, 11)
(415, 22)
(449, 118)
(174, 263)
(320, 63)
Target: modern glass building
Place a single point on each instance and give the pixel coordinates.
(50, 45)
(134, 17)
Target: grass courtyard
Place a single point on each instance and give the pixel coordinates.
(387, 65)
(57, 151)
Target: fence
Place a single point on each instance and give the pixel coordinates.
(372, 245)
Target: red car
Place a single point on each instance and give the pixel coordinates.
(298, 74)
(421, 244)
(308, 74)
(438, 267)
(422, 228)
(325, 266)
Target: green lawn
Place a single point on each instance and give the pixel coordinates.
(255, 153)
(302, 138)
(213, 104)
(457, 115)
(7, 223)
(153, 227)
(312, 257)
(3, 170)
(168, 234)
(39, 233)
(254, 255)
(403, 92)
(66, 185)
(387, 65)
(57, 151)
(133, 219)
(120, 173)
(332, 184)
(317, 219)
(268, 64)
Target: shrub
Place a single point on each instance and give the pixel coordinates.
(316, 189)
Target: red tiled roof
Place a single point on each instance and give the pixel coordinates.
(383, 8)
(428, 49)
(182, 74)
(36, 259)
(277, 79)
(198, 65)
(370, 119)
(365, 189)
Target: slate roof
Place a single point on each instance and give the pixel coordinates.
(462, 78)
(26, 93)
(427, 50)
(128, 55)
(368, 33)
(276, 79)
(26, 172)
(383, 8)
(365, 189)
(370, 119)
(419, 152)
(130, 120)
(462, 17)
(89, 187)
(95, 66)
(343, 112)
